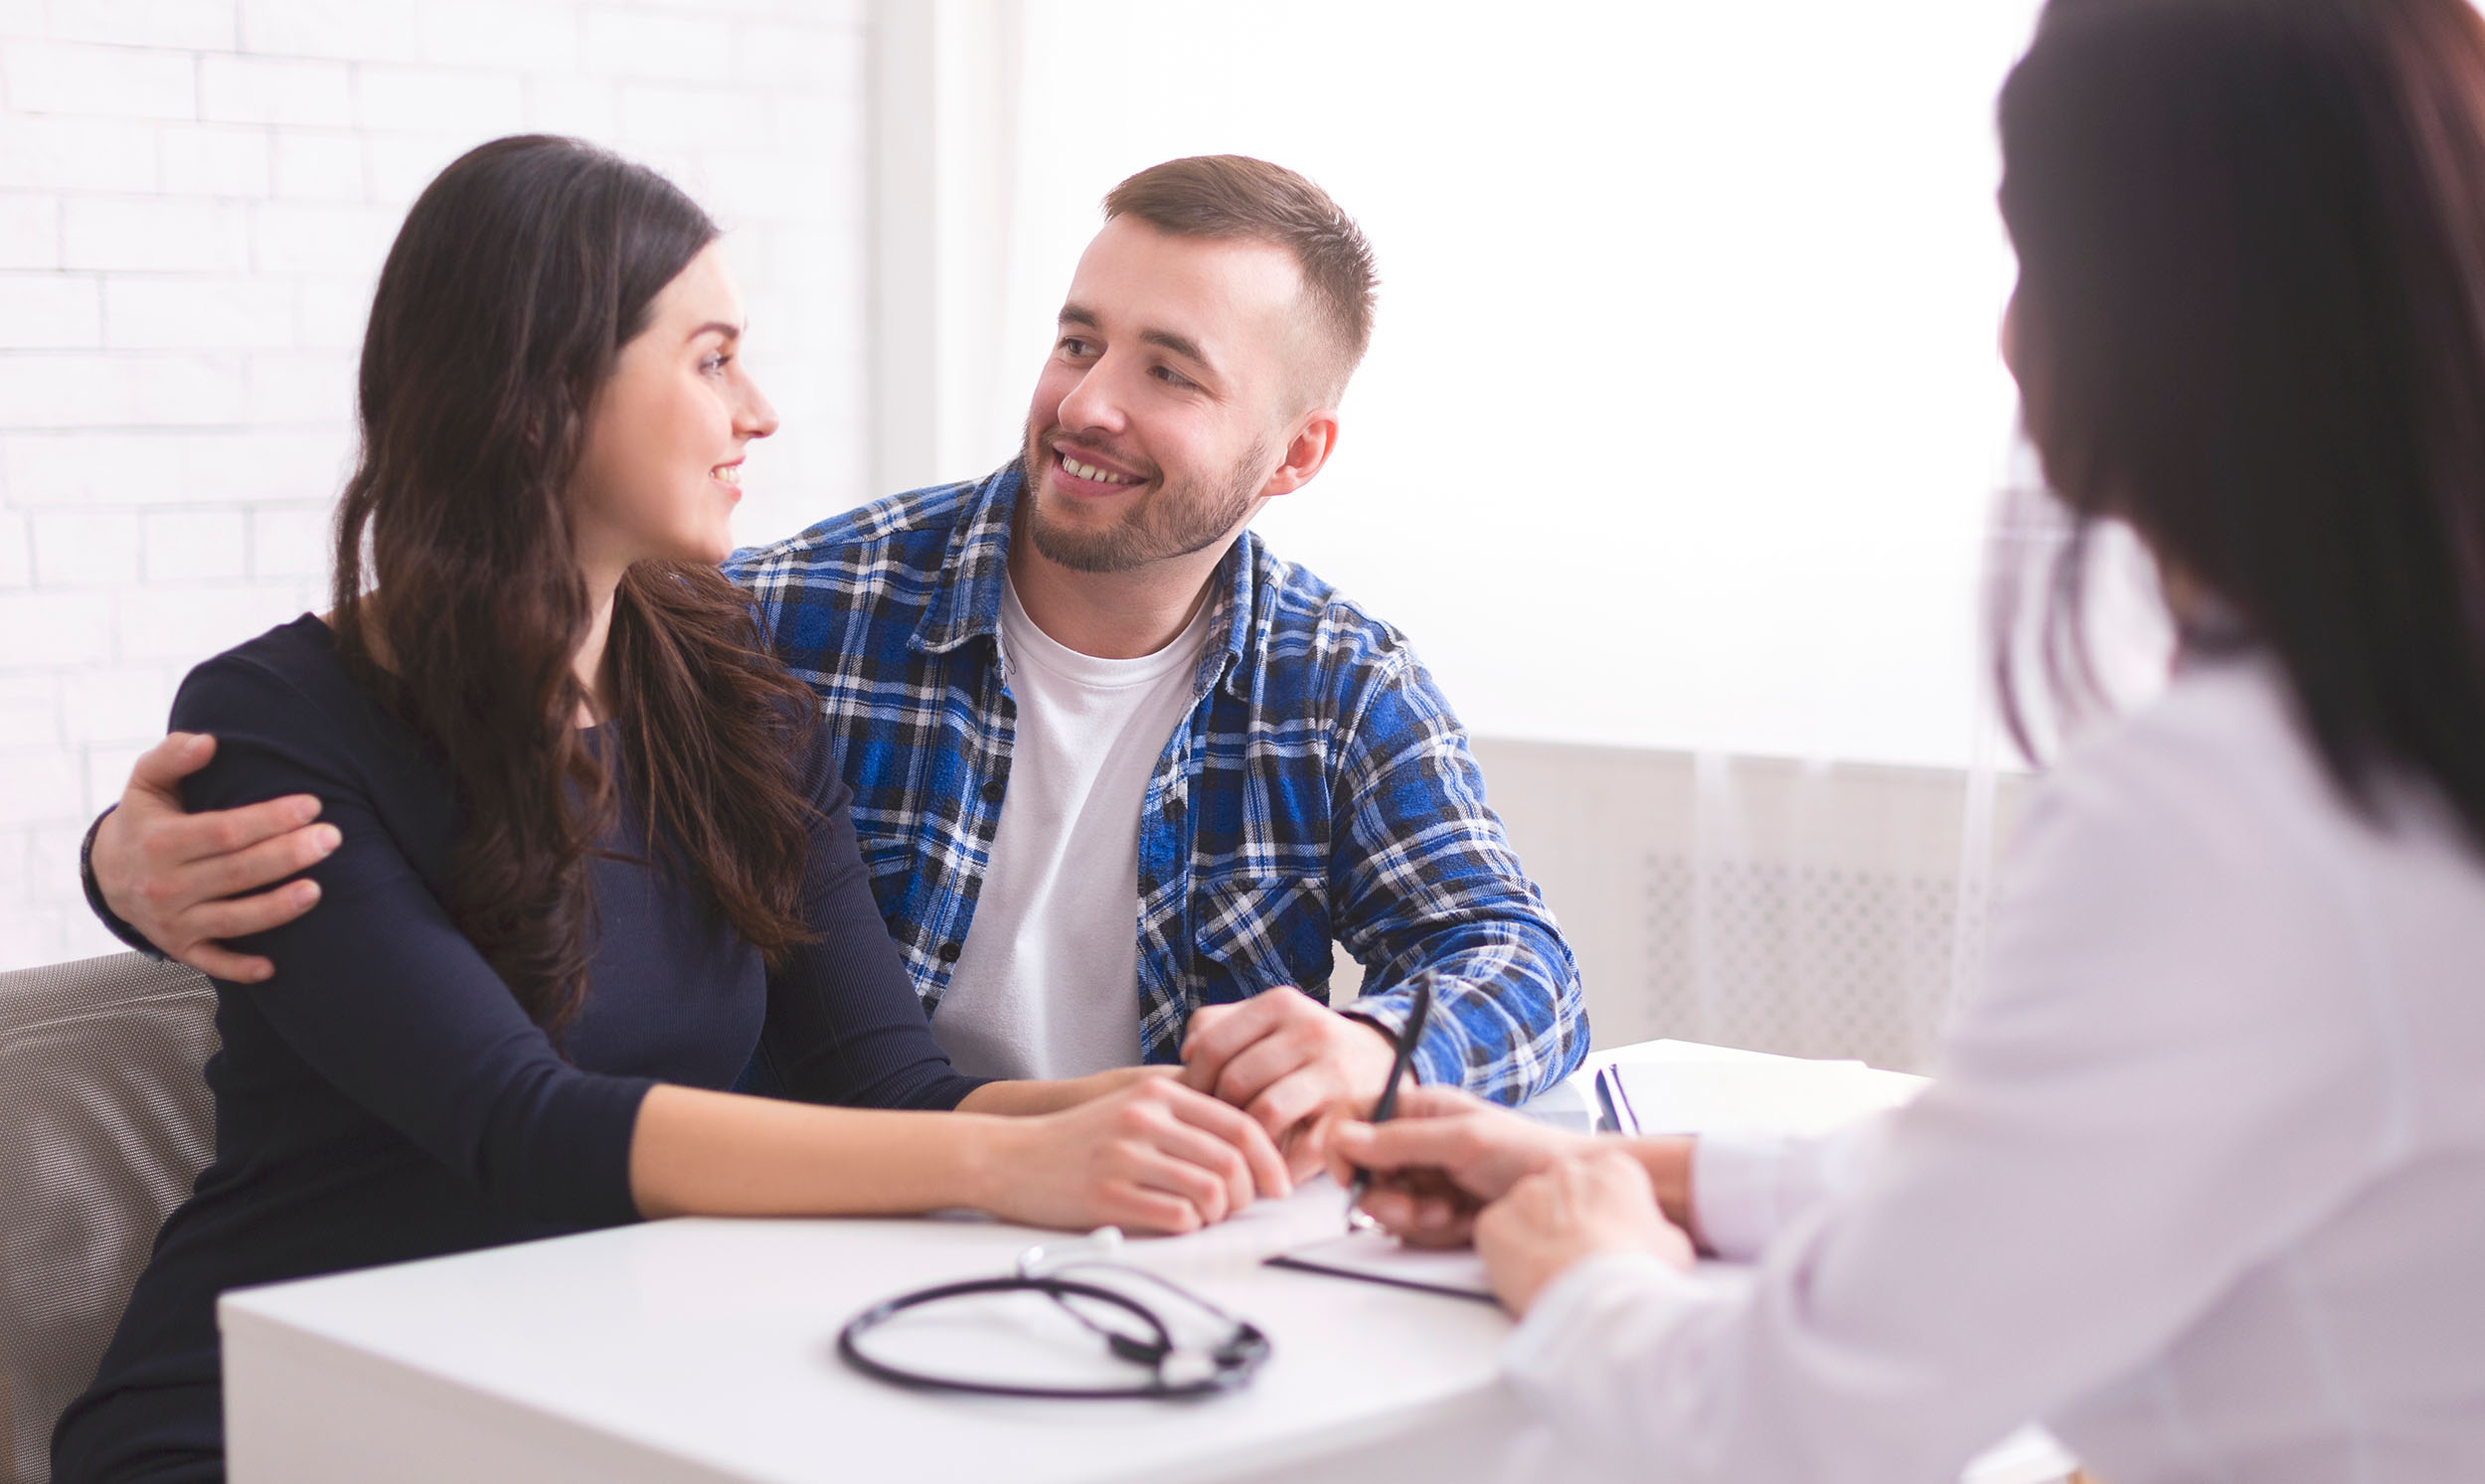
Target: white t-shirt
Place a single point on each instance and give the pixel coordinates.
(1048, 984)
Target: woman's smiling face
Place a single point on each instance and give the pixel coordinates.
(661, 471)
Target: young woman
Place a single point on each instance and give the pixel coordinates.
(592, 852)
(2202, 1181)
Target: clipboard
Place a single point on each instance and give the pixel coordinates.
(1375, 1258)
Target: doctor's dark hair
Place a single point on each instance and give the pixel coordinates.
(2250, 324)
(502, 309)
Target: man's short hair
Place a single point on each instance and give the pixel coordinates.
(1235, 196)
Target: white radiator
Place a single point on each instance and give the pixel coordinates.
(1813, 910)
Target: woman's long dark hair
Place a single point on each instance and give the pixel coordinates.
(2251, 324)
(518, 278)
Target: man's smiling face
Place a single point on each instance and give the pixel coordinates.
(1174, 383)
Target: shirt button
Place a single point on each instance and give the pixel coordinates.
(949, 952)
(993, 791)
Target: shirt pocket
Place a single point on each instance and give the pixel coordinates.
(1258, 931)
(890, 862)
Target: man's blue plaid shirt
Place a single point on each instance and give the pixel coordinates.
(1319, 788)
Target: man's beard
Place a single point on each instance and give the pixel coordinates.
(1176, 520)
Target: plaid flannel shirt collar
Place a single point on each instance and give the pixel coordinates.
(978, 562)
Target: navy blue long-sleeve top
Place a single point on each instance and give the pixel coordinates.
(384, 1098)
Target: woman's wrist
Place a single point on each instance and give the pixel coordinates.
(988, 1151)
(1027, 1099)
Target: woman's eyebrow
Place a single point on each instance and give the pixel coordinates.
(730, 332)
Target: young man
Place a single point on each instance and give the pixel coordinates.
(1120, 775)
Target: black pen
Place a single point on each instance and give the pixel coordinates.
(1383, 1110)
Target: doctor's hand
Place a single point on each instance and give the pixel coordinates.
(1573, 1209)
(1286, 1058)
(1445, 1154)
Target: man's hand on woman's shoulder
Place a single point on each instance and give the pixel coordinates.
(179, 879)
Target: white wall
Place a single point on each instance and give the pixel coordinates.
(1684, 416)
(194, 198)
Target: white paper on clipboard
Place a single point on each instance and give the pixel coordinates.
(1772, 1094)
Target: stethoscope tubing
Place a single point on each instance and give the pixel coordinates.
(1236, 1360)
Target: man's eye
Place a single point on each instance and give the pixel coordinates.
(1171, 377)
(1071, 345)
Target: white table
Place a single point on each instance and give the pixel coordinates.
(703, 1350)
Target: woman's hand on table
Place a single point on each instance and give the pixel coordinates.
(1150, 1156)
(1575, 1209)
(1441, 1159)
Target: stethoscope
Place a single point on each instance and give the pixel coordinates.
(1174, 1368)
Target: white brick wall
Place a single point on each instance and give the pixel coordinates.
(195, 197)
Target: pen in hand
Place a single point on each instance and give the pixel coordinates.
(1384, 1109)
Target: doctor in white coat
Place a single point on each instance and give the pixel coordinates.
(2201, 1181)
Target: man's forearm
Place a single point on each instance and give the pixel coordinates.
(1508, 1018)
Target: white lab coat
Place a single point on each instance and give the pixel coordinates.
(2200, 1183)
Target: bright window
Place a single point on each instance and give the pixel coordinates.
(1684, 418)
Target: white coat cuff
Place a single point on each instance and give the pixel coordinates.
(1570, 1331)
(1744, 1188)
